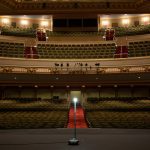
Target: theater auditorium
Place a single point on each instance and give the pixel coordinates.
(74, 74)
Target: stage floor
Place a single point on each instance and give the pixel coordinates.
(90, 139)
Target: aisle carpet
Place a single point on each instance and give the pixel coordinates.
(80, 119)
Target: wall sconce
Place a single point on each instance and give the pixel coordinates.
(105, 23)
(24, 22)
(44, 24)
(5, 21)
(145, 20)
(125, 22)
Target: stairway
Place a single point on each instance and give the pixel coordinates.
(80, 119)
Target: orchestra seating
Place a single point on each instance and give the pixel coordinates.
(139, 48)
(15, 114)
(11, 49)
(76, 50)
(118, 114)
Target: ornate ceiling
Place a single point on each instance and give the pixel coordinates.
(13, 7)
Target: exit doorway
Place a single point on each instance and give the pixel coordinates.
(76, 94)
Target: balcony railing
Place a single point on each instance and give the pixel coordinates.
(106, 66)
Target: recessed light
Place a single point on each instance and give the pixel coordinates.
(115, 85)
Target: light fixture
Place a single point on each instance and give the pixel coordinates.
(44, 23)
(74, 140)
(36, 86)
(24, 22)
(115, 85)
(125, 22)
(5, 21)
(145, 20)
(75, 99)
(105, 23)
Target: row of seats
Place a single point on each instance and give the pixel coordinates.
(10, 49)
(119, 119)
(28, 105)
(118, 105)
(33, 119)
(129, 31)
(118, 114)
(119, 31)
(15, 114)
(76, 50)
(140, 48)
(106, 50)
(20, 32)
(71, 34)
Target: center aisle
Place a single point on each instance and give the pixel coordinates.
(80, 119)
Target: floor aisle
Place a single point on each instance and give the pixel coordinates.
(80, 119)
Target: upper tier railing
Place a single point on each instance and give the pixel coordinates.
(94, 66)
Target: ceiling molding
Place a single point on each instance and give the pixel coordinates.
(75, 7)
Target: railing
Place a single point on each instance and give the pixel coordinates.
(127, 65)
(79, 70)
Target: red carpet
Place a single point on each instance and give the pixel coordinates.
(80, 119)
